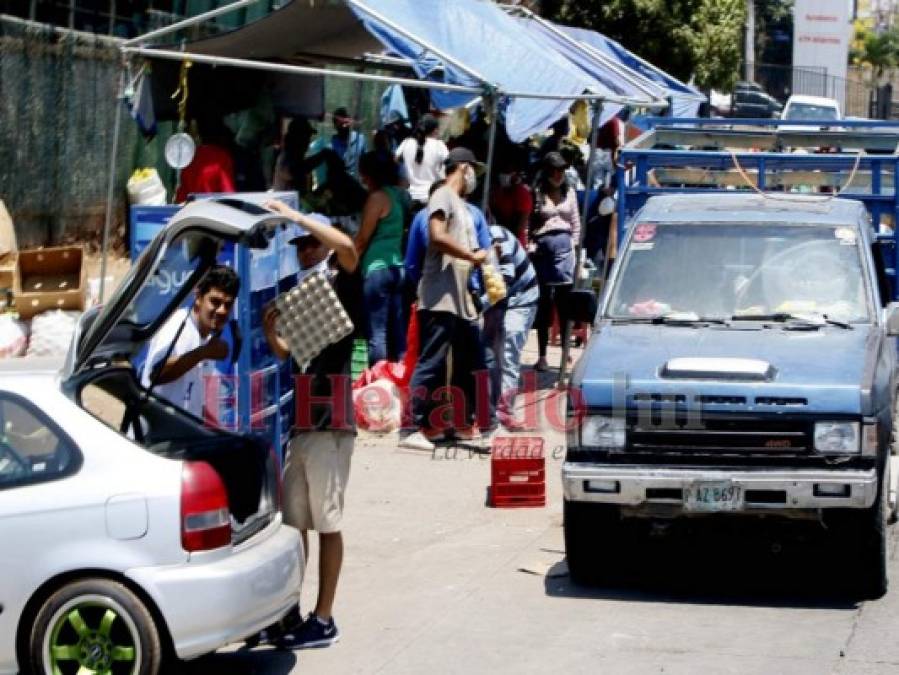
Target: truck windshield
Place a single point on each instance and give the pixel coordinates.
(720, 271)
(808, 111)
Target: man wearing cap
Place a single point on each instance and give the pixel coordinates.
(447, 313)
(317, 463)
(507, 324)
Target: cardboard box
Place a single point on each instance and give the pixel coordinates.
(8, 265)
(50, 278)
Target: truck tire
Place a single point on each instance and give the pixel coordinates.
(592, 534)
(864, 537)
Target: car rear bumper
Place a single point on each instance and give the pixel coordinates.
(762, 489)
(225, 596)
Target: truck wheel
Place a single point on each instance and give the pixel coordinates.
(94, 626)
(864, 537)
(874, 542)
(592, 533)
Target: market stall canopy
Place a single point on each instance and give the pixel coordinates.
(605, 68)
(315, 31)
(477, 43)
(685, 99)
(465, 42)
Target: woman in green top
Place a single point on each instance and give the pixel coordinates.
(379, 244)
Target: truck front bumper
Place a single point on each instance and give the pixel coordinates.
(780, 489)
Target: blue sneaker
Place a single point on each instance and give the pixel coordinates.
(314, 633)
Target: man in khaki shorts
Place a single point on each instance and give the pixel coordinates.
(317, 465)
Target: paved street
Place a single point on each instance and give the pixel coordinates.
(434, 581)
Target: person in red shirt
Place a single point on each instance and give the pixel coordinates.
(212, 168)
(511, 202)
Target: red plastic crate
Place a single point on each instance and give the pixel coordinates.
(517, 472)
(511, 495)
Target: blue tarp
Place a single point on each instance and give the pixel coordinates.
(607, 69)
(480, 36)
(685, 99)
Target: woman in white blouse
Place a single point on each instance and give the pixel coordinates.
(422, 155)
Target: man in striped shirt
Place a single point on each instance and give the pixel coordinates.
(506, 324)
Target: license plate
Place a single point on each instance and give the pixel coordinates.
(713, 496)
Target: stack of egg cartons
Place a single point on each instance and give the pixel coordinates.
(311, 318)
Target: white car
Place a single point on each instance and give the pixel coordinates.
(130, 531)
(812, 108)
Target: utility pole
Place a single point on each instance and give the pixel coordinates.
(749, 54)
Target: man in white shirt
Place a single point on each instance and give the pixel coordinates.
(188, 338)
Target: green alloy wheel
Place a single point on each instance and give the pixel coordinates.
(94, 627)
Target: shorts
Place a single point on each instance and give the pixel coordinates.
(316, 471)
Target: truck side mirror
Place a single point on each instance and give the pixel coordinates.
(582, 305)
(891, 314)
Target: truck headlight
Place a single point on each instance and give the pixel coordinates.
(599, 431)
(837, 438)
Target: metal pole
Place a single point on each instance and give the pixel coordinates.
(566, 328)
(111, 17)
(199, 18)
(293, 69)
(491, 148)
(110, 192)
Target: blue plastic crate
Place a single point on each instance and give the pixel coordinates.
(263, 388)
(287, 283)
(258, 301)
(285, 376)
(260, 353)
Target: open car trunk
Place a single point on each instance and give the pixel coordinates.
(247, 466)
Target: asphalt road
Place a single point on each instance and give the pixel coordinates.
(434, 581)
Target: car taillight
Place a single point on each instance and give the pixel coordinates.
(205, 518)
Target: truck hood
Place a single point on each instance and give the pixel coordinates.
(825, 370)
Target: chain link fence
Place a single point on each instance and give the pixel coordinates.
(57, 108)
(781, 82)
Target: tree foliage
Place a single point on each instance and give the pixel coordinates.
(700, 38)
(878, 50)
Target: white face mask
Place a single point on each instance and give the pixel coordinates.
(505, 179)
(471, 180)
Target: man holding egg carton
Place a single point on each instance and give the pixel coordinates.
(317, 463)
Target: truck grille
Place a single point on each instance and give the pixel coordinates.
(712, 434)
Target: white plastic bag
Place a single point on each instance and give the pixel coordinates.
(13, 337)
(145, 187)
(51, 333)
(378, 406)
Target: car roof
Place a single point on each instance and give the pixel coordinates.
(743, 208)
(813, 100)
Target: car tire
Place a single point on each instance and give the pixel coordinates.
(592, 534)
(863, 535)
(94, 624)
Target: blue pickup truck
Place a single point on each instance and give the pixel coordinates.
(743, 362)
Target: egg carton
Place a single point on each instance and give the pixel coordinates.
(311, 318)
